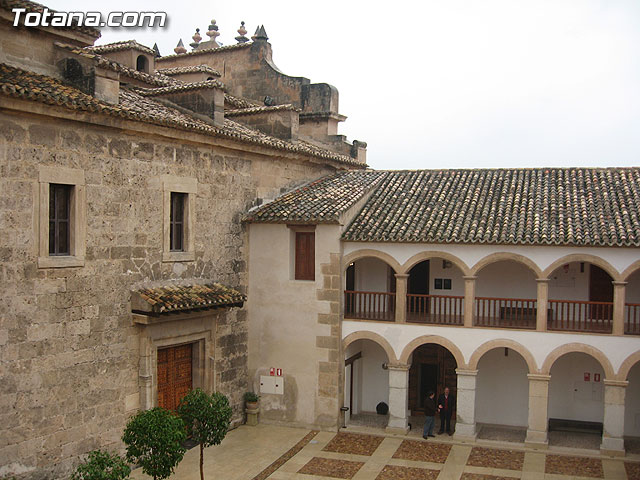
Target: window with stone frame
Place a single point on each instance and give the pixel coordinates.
(61, 205)
(179, 195)
(305, 256)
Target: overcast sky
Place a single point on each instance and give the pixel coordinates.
(446, 83)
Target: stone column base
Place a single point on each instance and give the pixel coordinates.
(252, 417)
(612, 446)
(465, 432)
(397, 430)
(536, 439)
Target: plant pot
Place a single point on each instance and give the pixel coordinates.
(252, 405)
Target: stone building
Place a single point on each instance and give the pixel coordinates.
(123, 259)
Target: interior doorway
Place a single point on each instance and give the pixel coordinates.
(600, 290)
(433, 367)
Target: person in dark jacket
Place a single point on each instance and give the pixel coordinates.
(446, 404)
(430, 412)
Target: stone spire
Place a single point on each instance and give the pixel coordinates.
(242, 31)
(156, 50)
(196, 39)
(180, 48)
(260, 35)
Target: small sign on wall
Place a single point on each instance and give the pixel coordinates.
(596, 377)
(587, 377)
(272, 371)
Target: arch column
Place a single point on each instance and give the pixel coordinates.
(542, 304)
(469, 299)
(466, 405)
(613, 427)
(401, 297)
(398, 399)
(619, 293)
(538, 404)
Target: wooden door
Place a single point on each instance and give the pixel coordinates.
(174, 375)
(600, 290)
(429, 361)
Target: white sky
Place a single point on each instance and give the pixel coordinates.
(446, 83)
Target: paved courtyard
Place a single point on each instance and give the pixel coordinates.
(279, 453)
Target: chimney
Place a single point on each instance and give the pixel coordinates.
(107, 85)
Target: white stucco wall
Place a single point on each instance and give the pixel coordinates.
(633, 288)
(502, 389)
(283, 320)
(570, 396)
(371, 384)
(506, 279)
(453, 273)
(632, 404)
(371, 275)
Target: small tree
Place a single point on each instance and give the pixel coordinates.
(101, 465)
(154, 440)
(207, 418)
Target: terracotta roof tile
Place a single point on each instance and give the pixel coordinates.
(180, 87)
(321, 201)
(119, 46)
(180, 298)
(18, 83)
(189, 69)
(542, 206)
(238, 102)
(33, 7)
(257, 110)
(206, 51)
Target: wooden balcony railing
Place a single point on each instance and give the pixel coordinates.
(506, 312)
(632, 319)
(580, 316)
(438, 309)
(369, 305)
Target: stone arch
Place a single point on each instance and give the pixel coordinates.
(577, 257)
(368, 252)
(627, 365)
(630, 270)
(448, 344)
(581, 348)
(507, 256)
(422, 256)
(374, 337)
(503, 343)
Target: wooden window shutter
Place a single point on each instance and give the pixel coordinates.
(305, 256)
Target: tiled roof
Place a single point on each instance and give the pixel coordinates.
(156, 79)
(119, 46)
(237, 46)
(33, 7)
(189, 69)
(321, 201)
(256, 110)
(18, 83)
(542, 206)
(180, 87)
(238, 102)
(180, 298)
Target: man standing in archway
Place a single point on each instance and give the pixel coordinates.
(446, 404)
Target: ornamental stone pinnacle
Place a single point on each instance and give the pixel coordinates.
(213, 32)
(180, 48)
(196, 39)
(260, 35)
(242, 31)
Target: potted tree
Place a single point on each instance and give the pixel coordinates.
(251, 403)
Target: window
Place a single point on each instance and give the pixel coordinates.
(179, 195)
(176, 240)
(60, 219)
(61, 228)
(305, 256)
(142, 64)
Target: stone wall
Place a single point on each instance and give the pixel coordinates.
(68, 346)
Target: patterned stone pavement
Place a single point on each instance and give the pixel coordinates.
(281, 453)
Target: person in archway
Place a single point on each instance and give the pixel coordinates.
(430, 413)
(446, 404)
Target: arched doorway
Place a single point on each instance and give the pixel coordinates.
(502, 394)
(580, 298)
(433, 367)
(632, 307)
(435, 292)
(366, 383)
(370, 286)
(576, 401)
(506, 295)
